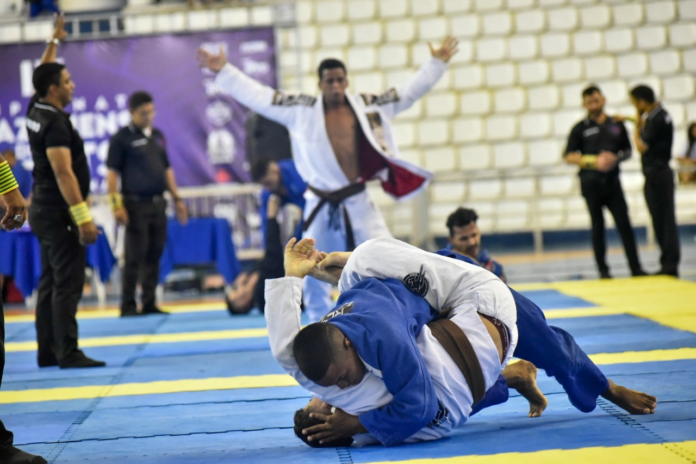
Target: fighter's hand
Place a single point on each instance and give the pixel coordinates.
(16, 212)
(300, 257)
(574, 158)
(58, 29)
(89, 233)
(606, 161)
(121, 216)
(208, 60)
(447, 50)
(181, 212)
(623, 118)
(336, 426)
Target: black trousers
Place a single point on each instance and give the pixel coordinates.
(271, 266)
(63, 261)
(659, 195)
(6, 437)
(606, 191)
(146, 235)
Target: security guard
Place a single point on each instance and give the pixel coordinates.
(15, 215)
(597, 144)
(653, 138)
(138, 156)
(59, 216)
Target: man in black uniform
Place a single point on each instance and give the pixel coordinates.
(59, 216)
(597, 144)
(653, 138)
(138, 155)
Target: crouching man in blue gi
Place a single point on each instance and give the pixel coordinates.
(390, 291)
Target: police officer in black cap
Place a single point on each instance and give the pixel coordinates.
(653, 138)
(138, 156)
(597, 144)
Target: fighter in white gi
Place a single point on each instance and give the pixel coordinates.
(375, 317)
(339, 142)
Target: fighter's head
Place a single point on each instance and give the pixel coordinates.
(327, 357)
(266, 172)
(52, 80)
(593, 101)
(464, 235)
(333, 80)
(304, 421)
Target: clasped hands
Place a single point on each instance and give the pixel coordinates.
(301, 259)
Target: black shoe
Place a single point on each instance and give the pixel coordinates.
(639, 273)
(131, 313)
(154, 310)
(667, 273)
(79, 361)
(17, 456)
(604, 275)
(47, 360)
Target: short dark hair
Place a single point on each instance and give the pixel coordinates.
(259, 169)
(313, 349)
(330, 63)
(643, 92)
(137, 99)
(303, 421)
(45, 76)
(590, 89)
(460, 218)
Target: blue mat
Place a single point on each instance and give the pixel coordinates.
(553, 299)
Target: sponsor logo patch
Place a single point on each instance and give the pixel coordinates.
(344, 309)
(417, 283)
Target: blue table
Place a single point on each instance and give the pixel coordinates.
(201, 241)
(20, 257)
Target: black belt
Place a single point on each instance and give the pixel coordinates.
(334, 199)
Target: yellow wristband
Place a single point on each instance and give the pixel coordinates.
(80, 213)
(7, 179)
(115, 201)
(589, 161)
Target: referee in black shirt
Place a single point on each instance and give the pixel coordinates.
(138, 156)
(597, 144)
(653, 138)
(59, 216)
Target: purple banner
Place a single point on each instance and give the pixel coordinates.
(204, 130)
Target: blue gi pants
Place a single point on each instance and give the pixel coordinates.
(555, 351)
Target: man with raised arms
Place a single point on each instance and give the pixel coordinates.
(339, 142)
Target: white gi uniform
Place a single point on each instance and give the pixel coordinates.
(303, 115)
(466, 288)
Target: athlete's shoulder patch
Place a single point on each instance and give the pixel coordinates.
(344, 309)
(292, 99)
(390, 96)
(417, 283)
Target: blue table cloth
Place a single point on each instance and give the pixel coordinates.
(20, 257)
(201, 241)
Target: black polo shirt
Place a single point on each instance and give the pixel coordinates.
(657, 134)
(50, 127)
(141, 160)
(590, 138)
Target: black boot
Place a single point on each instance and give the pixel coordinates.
(78, 360)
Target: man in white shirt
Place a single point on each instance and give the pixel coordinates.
(352, 379)
(339, 142)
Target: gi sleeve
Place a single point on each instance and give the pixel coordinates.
(255, 96)
(116, 157)
(574, 141)
(58, 134)
(443, 282)
(418, 85)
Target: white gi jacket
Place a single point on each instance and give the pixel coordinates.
(303, 115)
(467, 288)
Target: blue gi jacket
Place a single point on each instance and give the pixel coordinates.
(294, 187)
(382, 318)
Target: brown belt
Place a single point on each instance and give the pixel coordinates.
(334, 199)
(458, 347)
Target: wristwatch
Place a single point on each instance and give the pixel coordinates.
(54, 41)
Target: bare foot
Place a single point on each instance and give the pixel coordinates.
(522, 377)
(634, 402)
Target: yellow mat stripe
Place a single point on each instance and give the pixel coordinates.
(147, 388)
(111, 312)
(153, 338)
(672, 453)
(263, 381)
